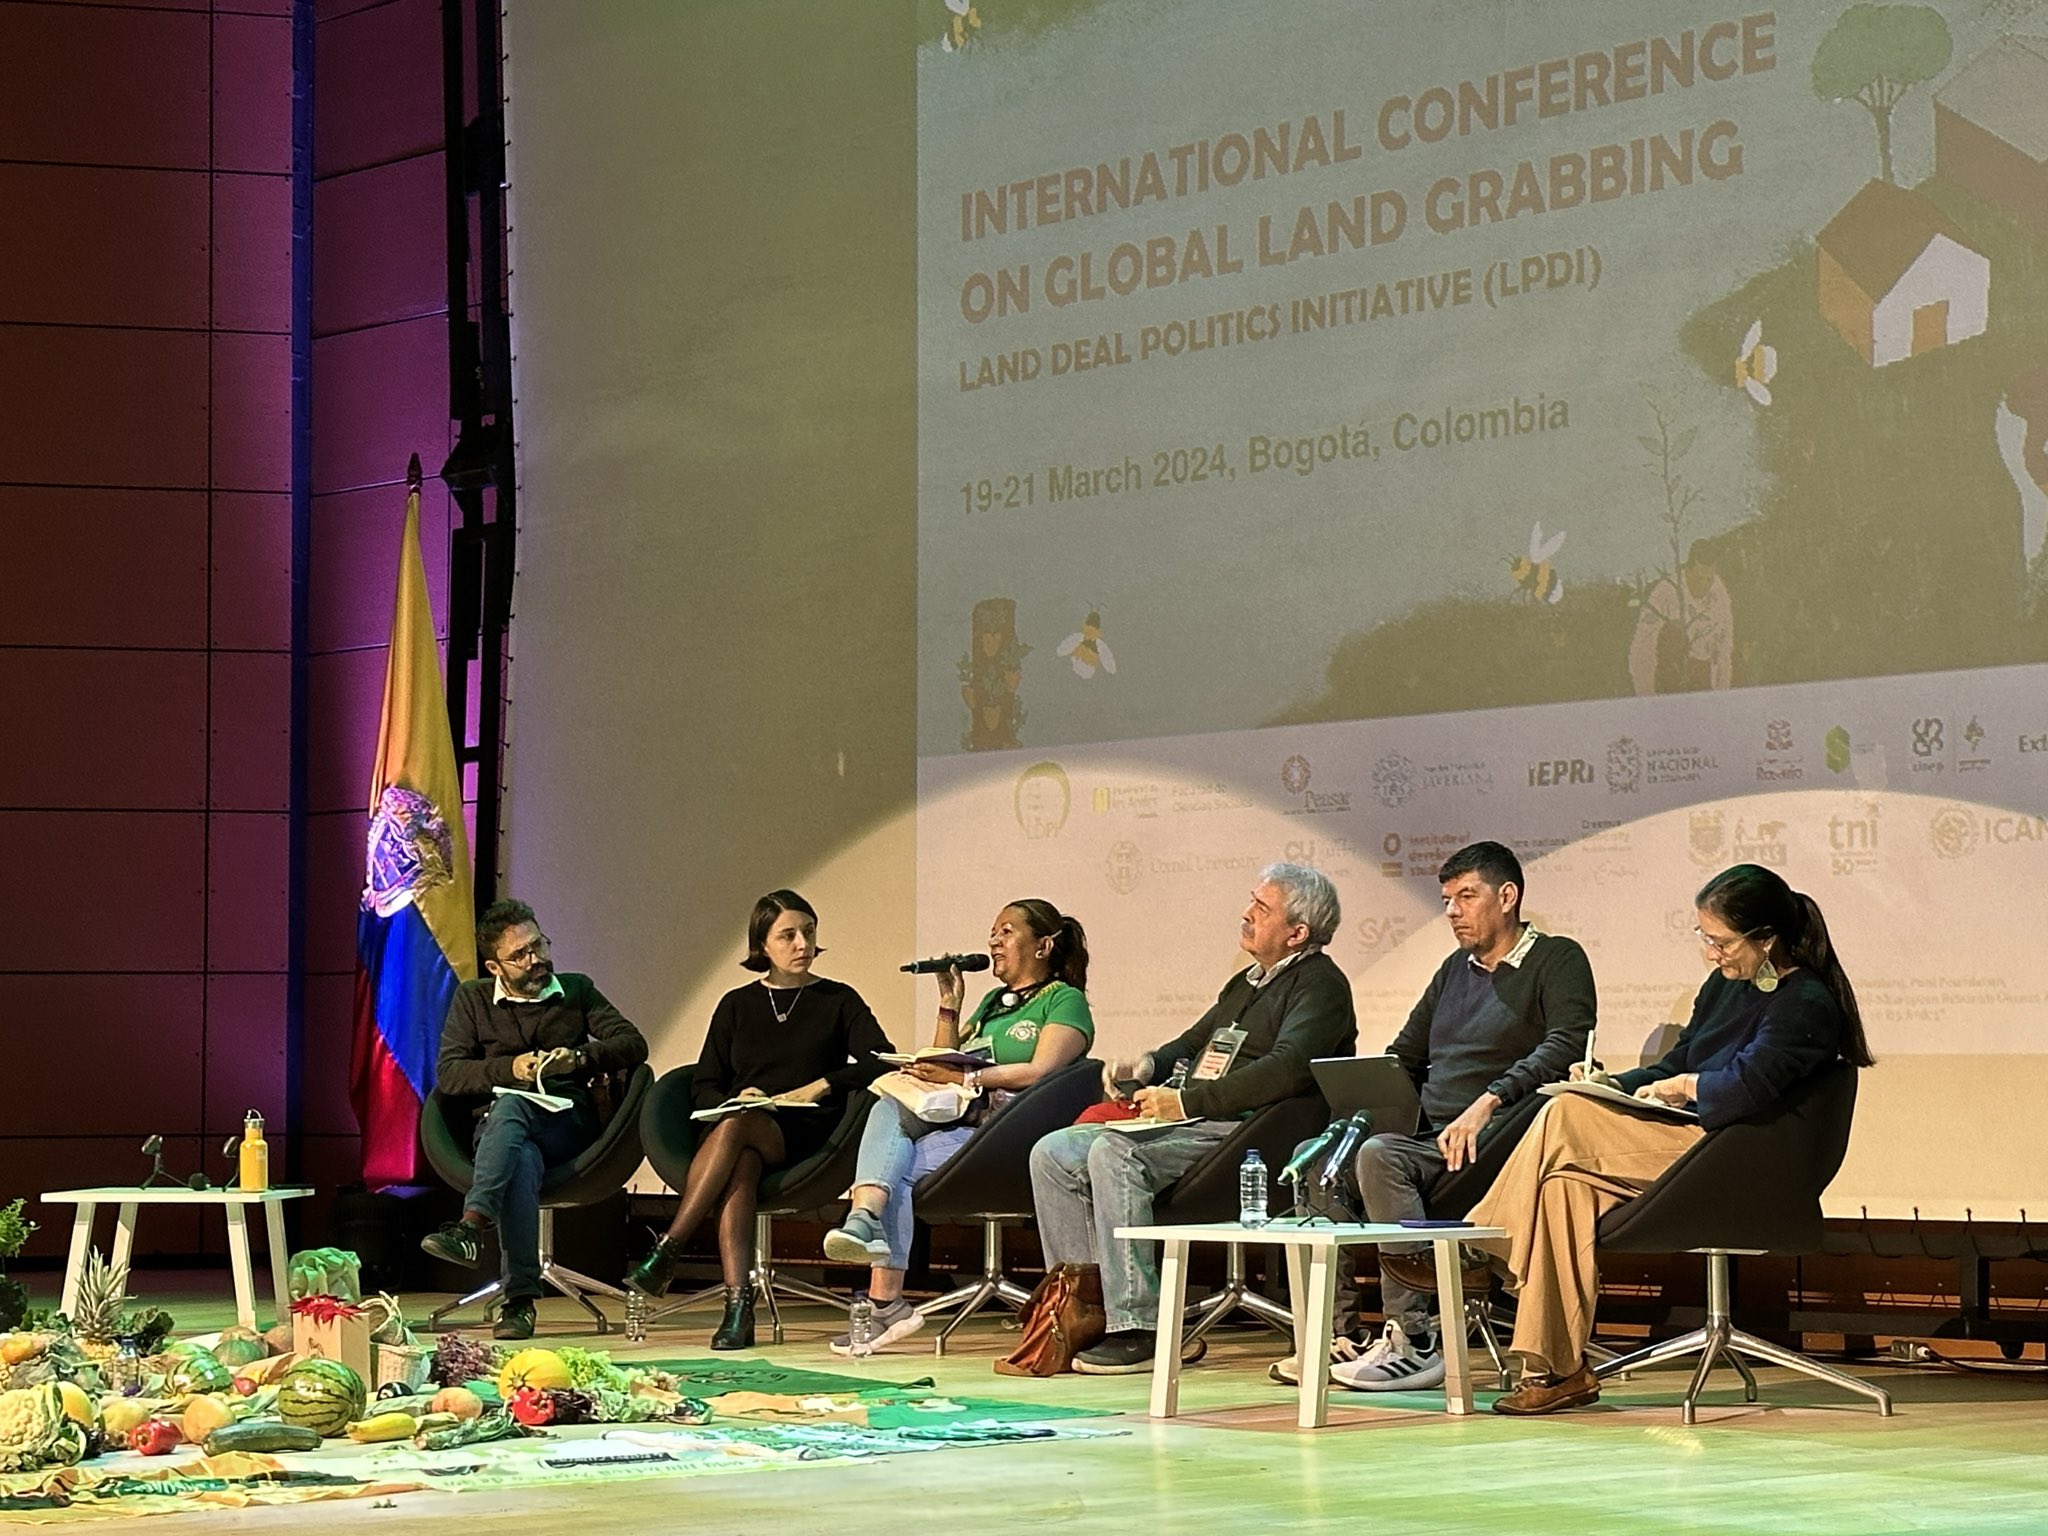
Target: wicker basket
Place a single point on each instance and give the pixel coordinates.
(406, 1364)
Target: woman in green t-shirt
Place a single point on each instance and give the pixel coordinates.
(1036, 1022)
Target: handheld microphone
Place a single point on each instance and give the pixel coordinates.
(1311, 1149)
(946, 963)
(1355, 1130)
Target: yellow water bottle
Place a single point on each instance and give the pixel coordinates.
(255, 1154)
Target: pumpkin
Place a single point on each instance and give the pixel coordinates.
(190, 1370)
(539, 1368)
(240, 1346)
(460, 1401)
(321, 1395)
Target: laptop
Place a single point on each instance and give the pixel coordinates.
(1378, 1083)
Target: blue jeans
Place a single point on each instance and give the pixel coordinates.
(1087, 1181)
(896, 1150)
(515, 1146)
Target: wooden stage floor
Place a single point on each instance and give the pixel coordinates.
(1965, 1452)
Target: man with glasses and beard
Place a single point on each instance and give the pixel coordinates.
(523, 1025)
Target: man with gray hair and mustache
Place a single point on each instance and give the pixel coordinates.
(1251, 1049)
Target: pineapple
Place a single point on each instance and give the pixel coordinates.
(96, 1319)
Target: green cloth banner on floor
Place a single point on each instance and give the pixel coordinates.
(890, 1404)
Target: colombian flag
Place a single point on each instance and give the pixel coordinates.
(416, 933)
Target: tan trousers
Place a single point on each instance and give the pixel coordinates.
(1579, 1159)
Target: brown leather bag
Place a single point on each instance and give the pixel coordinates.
(1062, 1317)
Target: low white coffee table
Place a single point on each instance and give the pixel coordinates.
(1312, 1248)
(235, 1205)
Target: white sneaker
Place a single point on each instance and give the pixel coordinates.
(1343, 1348)
(894, 1320)
(1393, 1364)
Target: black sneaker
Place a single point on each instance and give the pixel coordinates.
(515, 1319)
(1119, 1354)
(455, 1243)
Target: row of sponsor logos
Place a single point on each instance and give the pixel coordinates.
(1855, 840)
(1935, 745)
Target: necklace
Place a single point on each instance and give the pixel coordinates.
(1017, 997)
(782, 1015)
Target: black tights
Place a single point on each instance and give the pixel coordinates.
(725, 1174)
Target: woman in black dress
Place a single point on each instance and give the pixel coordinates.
(792, 1036)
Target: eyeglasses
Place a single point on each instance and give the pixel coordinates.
(534, 951)
(1720, 946)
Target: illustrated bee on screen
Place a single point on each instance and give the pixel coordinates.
(1756, 364)
(1087, 650)
(1536, 579)
(960, 26)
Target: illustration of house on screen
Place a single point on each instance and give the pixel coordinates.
(1897, 279)
(1991, 129)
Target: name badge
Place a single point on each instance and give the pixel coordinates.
(1218, 1054)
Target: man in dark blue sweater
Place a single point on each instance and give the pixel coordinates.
(1509, 1010)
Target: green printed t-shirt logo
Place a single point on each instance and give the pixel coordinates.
(1838, 749)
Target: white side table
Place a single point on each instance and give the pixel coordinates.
(235, 1205)
(1312, 1288)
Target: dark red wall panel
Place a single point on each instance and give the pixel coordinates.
(380, 88)
(103, 567)
(330, 1013)
(252, 567)
(383, 397)
(348, 695)
(120, 729)
(83, 85)
(248, 735)
(252, 118)
(252, 411)
(245, 1053)
(382, 257)
(114, 891)
(133, 1042)
(252, 247)
(334, 883)
(104, 407)
(103, 247)
(355, 564)
(246, 892)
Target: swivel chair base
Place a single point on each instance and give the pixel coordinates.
(964, 1301)
(579, 1288)
(1719, 1339)
(1235, 1296)
(762, 1276)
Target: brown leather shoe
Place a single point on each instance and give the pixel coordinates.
(1573, 1391)
(1417, 1271)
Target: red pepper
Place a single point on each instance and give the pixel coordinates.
(530, 1405)
(155, 1437)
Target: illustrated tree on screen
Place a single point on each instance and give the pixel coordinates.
(1685, 627)
(1873, 55)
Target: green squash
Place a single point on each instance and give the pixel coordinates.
(192, 1370)
(321, 1395)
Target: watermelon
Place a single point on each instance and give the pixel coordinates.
(324, 1396)
(240, 1346)
(190, 1370)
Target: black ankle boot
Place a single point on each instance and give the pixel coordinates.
(651, 1276)
(736, 1328)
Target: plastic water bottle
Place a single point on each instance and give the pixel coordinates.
(1251, 1191)
(860, 1327)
